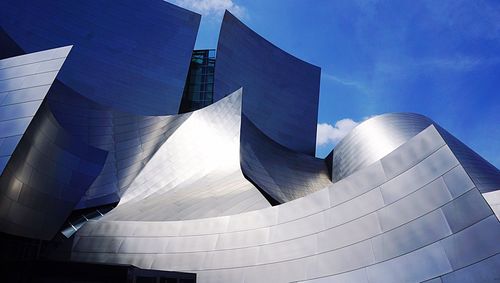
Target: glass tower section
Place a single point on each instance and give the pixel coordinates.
(199, 88)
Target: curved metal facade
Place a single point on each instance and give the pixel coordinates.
(374, 139)
(195, 173)
(408, 201)
(282, 174)
(124, 71)
(281, 91)
(46, 170)
(412, 216)
(115, 43)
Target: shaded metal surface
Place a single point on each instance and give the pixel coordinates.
(115, 43)
(195, 173)
(283, 174)
(414, 215)
(281, 91)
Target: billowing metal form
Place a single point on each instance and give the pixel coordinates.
(374, 139)
(130, 139)
(24, 83)
(44, 171)
(282, 174)
(130, 62)
(148, 43)
(195, 173)
(414, 215)
(281, 91)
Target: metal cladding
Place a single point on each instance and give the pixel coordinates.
(282, 174)
(46, 170)
(281, 91)
(115, 43)
(412, 216)
(24, 83)
(130, 139)
(196, 172)
(123, 72)
(408, 201)
(374, 139)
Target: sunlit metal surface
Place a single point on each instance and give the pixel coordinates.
(196, 172)
(372, 140)
(281, 91)
(414, 215)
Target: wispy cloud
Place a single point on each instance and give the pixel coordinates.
(212, 8)
(346, 82)
(332, 134)
(450, 64)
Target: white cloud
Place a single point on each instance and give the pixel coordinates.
(328, 134)
(211, 8)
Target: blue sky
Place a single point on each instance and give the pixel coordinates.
(437, 58)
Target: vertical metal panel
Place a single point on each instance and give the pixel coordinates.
(281, 91)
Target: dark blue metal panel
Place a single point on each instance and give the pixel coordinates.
(129, 55)
(281, 91)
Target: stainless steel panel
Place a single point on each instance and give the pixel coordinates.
(457, 181)
(424, 200)
(360, 182)
(354, 208)
(484, 271)
(417, 266)
(474, 243)
(466, 210)
(426, 171)
(420, 232)
(350, 233)
(412, 152)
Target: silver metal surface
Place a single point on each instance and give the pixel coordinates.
(408, 227)
(195, 173)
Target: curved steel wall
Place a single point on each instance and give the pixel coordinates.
(125, 67)
(373, 139)
(115, 43)
(281, 91)
(195, 173)
(130, 139)
(282, 174)
(414, 215)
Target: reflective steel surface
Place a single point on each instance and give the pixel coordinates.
(280, 173)
(46, 170)
(413, 215)
(281, 91)
(115, 43)
(372, 140)
(195, 173)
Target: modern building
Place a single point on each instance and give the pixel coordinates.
(125, 151)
